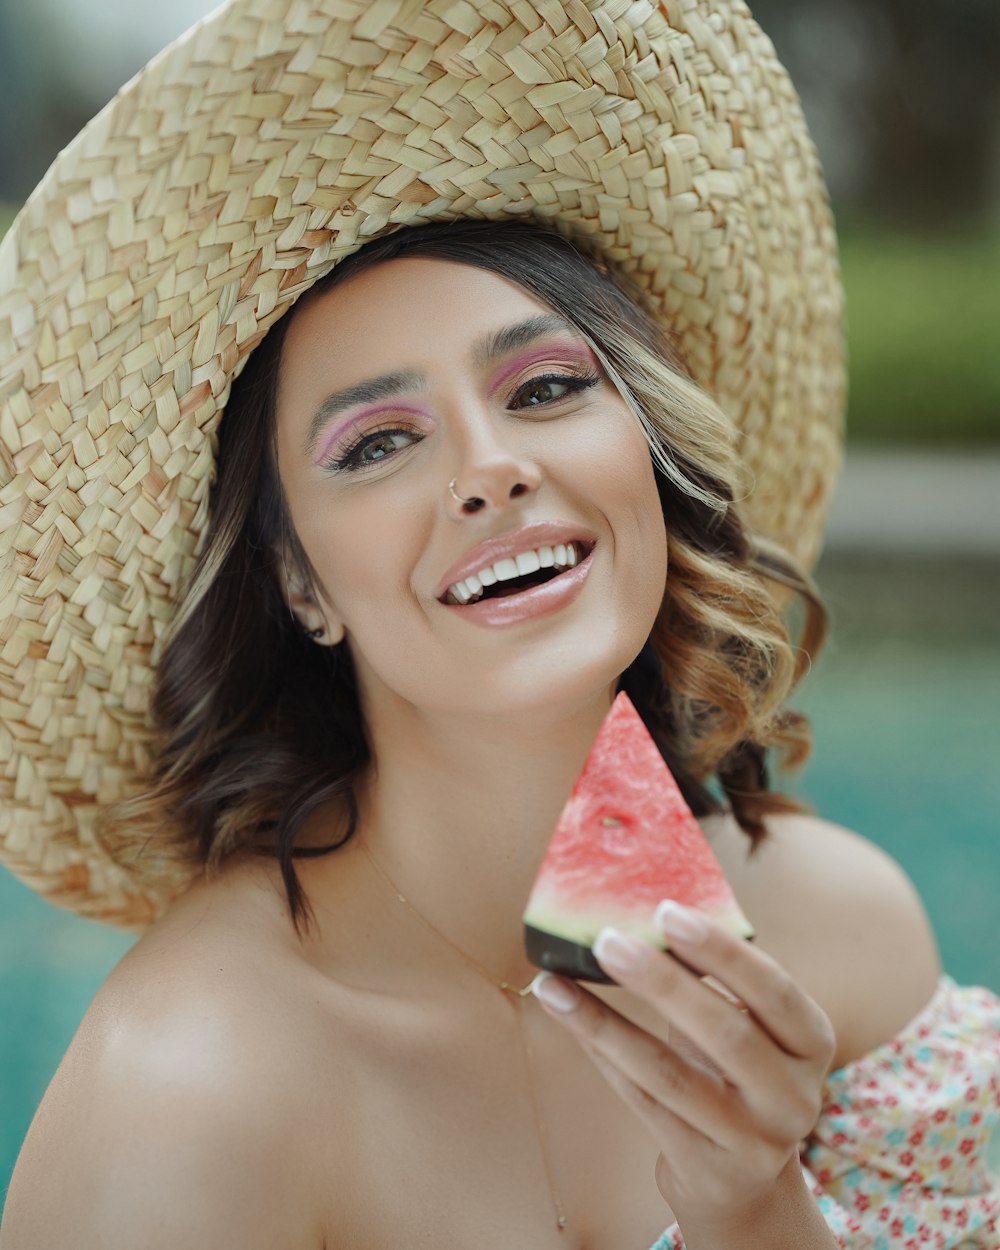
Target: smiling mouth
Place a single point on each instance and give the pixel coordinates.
(508, 580)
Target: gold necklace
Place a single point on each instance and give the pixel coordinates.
(515, 997)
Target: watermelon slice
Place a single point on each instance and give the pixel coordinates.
(625, 840)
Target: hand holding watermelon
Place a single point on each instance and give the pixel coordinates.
(728, 1131)
(737, 1087)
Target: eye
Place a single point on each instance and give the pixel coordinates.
(550, 388)
(371, 449)
(378, 446)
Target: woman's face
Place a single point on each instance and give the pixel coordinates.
(417, 372)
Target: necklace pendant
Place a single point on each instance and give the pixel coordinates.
(521, 992)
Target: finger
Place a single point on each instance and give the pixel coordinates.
(793, 1019)
(674, 1136)
(728, 1037)
(649, 1072)
(687, 1158)
(780, 1090)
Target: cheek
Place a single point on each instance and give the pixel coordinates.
(627, 467)
(364, 551)
(613, 466)
(650, 566)
(642, 530)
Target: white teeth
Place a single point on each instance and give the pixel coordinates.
(562, 555)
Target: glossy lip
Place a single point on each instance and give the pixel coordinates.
(529, 604)
(526, 605)
(528, 537)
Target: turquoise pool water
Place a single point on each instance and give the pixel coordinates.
(905, 713)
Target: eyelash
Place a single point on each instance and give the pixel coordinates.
(349, 461)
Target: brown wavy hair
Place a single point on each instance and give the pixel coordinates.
(257, 727)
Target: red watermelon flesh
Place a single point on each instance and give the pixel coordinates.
(625, 840)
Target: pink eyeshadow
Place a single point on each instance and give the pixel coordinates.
(581, 355)
(566, 350)
(352, 423)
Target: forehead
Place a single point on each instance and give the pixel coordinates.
(407, 310)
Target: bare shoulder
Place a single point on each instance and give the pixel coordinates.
(842, 917)
(184, 1111)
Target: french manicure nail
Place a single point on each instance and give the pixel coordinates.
(620, 954)
(560, 995)
(680, 923)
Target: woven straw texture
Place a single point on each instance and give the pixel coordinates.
(239, 166)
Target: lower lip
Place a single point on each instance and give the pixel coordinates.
(528, 604)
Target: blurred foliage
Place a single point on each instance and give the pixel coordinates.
(903, 97)
(922, 330)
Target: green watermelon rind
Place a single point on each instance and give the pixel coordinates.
(584, 925)
(568, 959)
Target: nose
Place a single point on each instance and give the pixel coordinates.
(490, 473)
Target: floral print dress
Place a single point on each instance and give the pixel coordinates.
(906, 1152)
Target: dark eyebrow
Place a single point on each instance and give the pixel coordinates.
(510, 338)
(500, 343)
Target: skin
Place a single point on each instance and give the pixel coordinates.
(364, 1088)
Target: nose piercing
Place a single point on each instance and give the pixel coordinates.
(472, 502)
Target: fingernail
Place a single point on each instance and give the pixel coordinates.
(620, 954)
(680, 923)
(557, 994)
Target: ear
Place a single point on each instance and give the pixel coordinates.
(319, 623)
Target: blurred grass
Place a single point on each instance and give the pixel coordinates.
(922, 313)
(922, 317)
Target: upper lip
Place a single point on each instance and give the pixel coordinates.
(527, 538)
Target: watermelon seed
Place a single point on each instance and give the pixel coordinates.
(610, 822)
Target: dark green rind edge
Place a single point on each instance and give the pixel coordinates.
(570, 959)
(565, 958)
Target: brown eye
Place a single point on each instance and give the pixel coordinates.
(549, 390)
(382, 445)
(541, 391)
(368, 451)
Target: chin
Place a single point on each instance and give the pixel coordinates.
(546, 674)
(562, 681)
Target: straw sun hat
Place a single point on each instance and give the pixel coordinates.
(272, 140)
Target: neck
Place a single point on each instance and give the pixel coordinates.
(458, 815)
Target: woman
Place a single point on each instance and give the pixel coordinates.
(315, 1043)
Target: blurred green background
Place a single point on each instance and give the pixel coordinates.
(904, 102)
